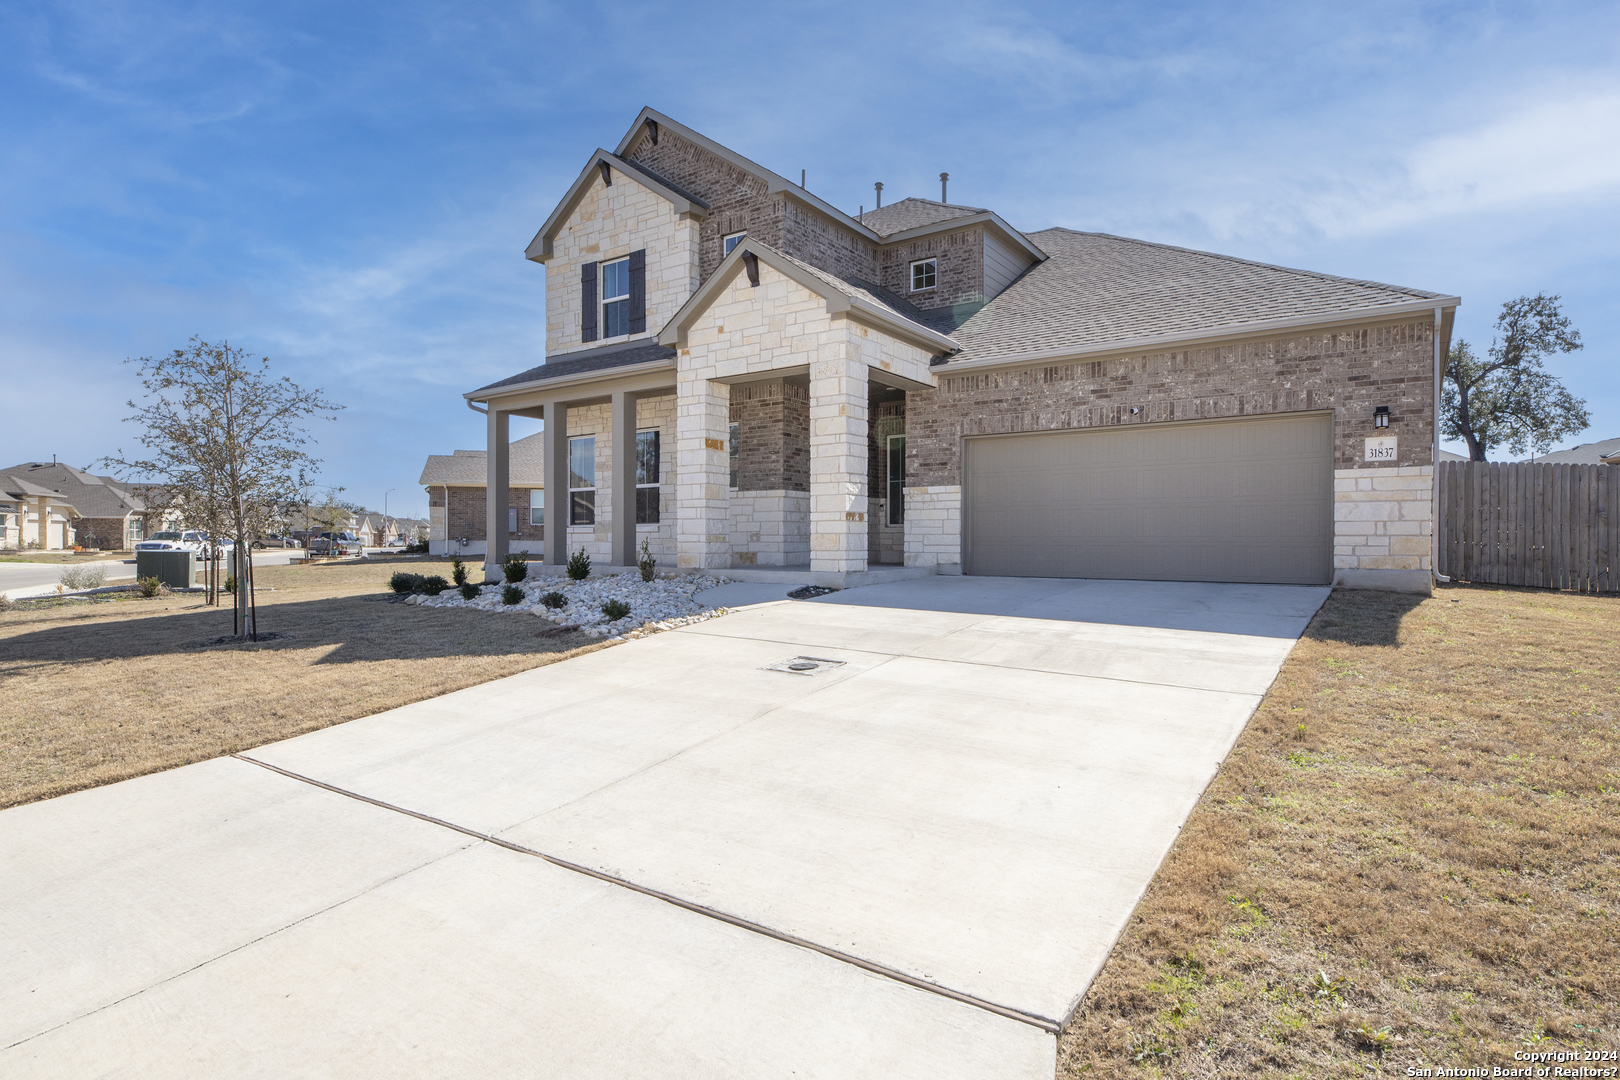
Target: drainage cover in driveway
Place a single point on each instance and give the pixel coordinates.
(804, 665)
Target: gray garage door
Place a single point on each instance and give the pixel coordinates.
(1222, 500)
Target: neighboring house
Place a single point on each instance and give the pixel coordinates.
(1605, 452)
(458, 514)
(35, 516)
(110, 515)
(741, 374)
(376, 530)
(1447, 455)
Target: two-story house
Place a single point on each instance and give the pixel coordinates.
(740, 374)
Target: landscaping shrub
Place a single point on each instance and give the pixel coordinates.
(83, 577)
(469, 591)
(615, 609)
(230, 584)
(512, 594)
(647, 564)
(458, 570)
(5, 602)
(579, 565)
(554, 600)
(150, 587)
(418, 548)
(433, 585)
(514, 569)
(403, 582)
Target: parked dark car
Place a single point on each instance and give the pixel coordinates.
(330, 543)
(276, 540)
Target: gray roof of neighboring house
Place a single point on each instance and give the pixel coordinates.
(1096, 288)
(1591, 453)
(92, 496)
(584, 360)
(470, 468)
(914, 214)
(1447, 455)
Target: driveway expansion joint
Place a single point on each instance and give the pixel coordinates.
(1043, 1023)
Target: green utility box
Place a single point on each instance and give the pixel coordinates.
(176, 569)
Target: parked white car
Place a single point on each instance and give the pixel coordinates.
(190, 540)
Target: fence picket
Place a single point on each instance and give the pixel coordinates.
(1545, 526)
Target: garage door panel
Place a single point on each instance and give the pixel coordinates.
(1227, 500)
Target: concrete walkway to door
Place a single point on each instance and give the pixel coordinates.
(670, 858)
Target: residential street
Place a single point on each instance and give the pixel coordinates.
(18, 580)
(667, 858)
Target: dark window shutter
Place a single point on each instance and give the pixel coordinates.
(587, 302)
(638, 291)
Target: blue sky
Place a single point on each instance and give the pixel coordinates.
(348, 188)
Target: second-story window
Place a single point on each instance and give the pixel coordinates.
(924, 274)
(616, 298)
(731, 241)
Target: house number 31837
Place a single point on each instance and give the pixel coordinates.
(1381, 448)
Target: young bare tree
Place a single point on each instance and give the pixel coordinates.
(1508, 397)
(225, 440)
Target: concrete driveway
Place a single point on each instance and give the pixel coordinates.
(669, 858)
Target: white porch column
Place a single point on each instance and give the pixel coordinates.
(622, 457)
(556, 481)
(497, 491)
(838, 541)
(702, 473)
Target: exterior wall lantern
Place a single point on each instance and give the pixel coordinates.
(1381, 416)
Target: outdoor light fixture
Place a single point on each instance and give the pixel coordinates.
(1381, 416)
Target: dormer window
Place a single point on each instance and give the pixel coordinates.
(616, 298)
(924, 274)
(730, 241)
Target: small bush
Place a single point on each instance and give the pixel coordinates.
(83, 577)
(511, 594)
(615, 609)
(403, 582)
(418, 548)
(579, 566)
(647, 564)
(469, 591)
(433, 585)
(230, 584)
(554, 600)
(5, 602)
(514, 568)
(458, 570)
(150, 587)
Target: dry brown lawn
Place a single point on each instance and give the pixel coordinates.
(92, 693)
(1411, 857)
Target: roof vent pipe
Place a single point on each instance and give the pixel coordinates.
(944, 178)
(879, 187)
(801, 179)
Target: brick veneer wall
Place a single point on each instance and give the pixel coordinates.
(773, 435)
(466, 515)
(960, 256)
(741, 202)
(1348, 372)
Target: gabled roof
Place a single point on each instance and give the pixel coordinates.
(92, 496)
(775, 185)
(539, 249)
(1098, 292)
(470, 468)
(866, 301)
(1591, 453)
(914, 214)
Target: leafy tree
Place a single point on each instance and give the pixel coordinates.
(224, 444)
(1508, 396)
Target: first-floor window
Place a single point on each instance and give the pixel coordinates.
(897, 479)
(511, 519)
(537, 506)
(582, 481)
(733, 453)
(647, 467)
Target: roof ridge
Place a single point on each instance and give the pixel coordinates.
(1317, 274)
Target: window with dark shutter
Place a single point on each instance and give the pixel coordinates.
(638, 291)
(587, 302)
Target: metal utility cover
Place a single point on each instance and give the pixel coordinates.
(1248, 500)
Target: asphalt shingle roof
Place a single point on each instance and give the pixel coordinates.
(1095, 289)
(92, 496)
(1591, 453)
(855, 287)
(913, 214)
(470, 468)
(576, 363)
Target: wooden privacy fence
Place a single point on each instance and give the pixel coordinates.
(1547, 526)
